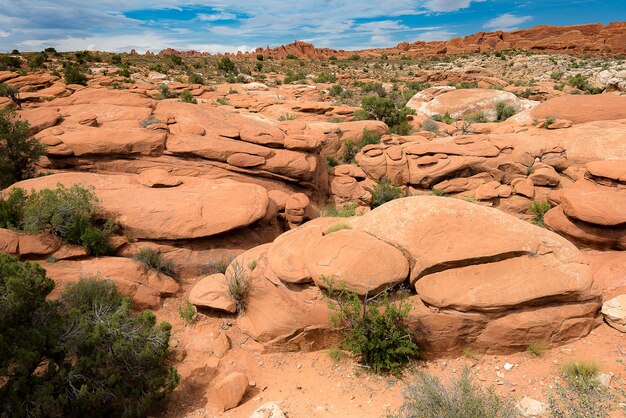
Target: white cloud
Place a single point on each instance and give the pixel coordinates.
(216, 17)
(448, 5)
(436, 35)
(141, 42)
(506, 22)
(4, 34)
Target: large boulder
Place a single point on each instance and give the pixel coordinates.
(582, 108)
(146, 287)
(463, 102)
(614, 312)
(365, 264)
(196, 208)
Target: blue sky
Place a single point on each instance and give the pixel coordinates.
(220, 26)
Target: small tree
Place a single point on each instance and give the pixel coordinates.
(384, 192)
(12, 93)
(226, 66)
(83, 355)
(19, 151)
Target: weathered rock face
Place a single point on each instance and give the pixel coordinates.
(493, 295)
(194, 209)
(583, 108)
(592, 211)
(145, 286)
(614, 312)
(463, 102)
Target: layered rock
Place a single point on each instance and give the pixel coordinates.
(493, 296)
(592, 211)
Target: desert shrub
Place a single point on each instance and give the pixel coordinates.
(337, 227)
(67, 213)
(19, 150)
(477, 117)
(360, 114)
(286, 116)
(325, 78)
(186, 97)
(37, 61)
(164, 92)
(350, 150)
(504, 111)
(11, 93)
(195, 78)
(340, 212)
(374, 88)
(220, 265)
(187, 312)
(548, 120)
(116, 59)
(226, 66)
(336, 354)
(579, 372)
(74, 75)
(384, 192)
(222, 101)
(581, 83)
(375, 329)
(176, 59)
(445, 118)
(556, 75)
(428, 397)
(539, 208)
(291, 57)
(10, 63)
(150, 120)
(101, 360)
(153, 259)
(370, 138)
(296, 77)
(468, 85)
(431, 126)
(12, 208)
(252, 265)
(239, 285)
(536, 348)
(335, 90)
(582, 395)
(438, 192)
(386, 110)
(331, 162)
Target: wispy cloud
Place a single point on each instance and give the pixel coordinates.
(435, 35)
(448, 5)
(205, 17)
(506, 22)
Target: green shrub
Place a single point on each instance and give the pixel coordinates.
(582, 395)
(445, 118)
(370, 138)
(386, 110)
(220, 266)
(10, 63)
(548, 120)
(226, 66)
(341, 212)
(504, 111)
(67, 213)
(187, 312)
(222, 101)
(350, 150)
(116, 59)
(291, 57)
(360, 114)
(337, 227)
(239, 285)
(153, 259)
(335, 90)
(477, 117)
(539, 208)
(384, 192)
(581, 83)
(374, 329)
(325, 78)
(11, 93)
(195, 78)
(176, 59)
(164, 92)
(463, 398)
(101, 359)
(19, 150)
(468, 85)
(12, 208)
(292, 77)
(431, 126)
(331, 162)
(536, 348)
(74, 75)
(186, 97)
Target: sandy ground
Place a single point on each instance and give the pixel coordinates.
(313, 385)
